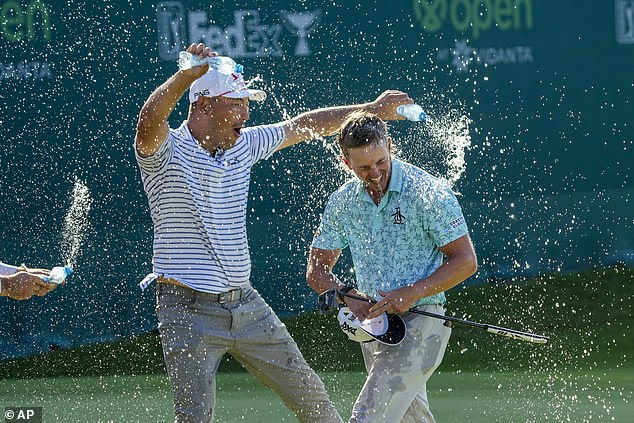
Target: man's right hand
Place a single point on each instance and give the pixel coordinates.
(386, 103)
(201, 51)
(359, 308)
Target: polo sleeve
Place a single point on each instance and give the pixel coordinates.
(264, 141)
(444, 220)
(331, 233)
(157, 161)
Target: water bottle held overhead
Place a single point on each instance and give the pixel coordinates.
(222, 64)
(58, 274)
(412, 112)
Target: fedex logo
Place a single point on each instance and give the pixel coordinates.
(246, 37)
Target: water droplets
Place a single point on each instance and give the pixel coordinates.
(76, 223)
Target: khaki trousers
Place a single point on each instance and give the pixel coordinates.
(395, 390)
(198, 329)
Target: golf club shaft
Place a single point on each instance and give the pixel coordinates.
(498, 330)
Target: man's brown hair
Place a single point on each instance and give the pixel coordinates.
(361, 129)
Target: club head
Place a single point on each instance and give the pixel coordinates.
(327, 301)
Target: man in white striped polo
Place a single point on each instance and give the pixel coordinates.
(197, 178)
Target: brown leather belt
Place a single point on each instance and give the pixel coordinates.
(230, 296)
(171, 281)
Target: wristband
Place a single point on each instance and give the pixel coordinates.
(343, 290)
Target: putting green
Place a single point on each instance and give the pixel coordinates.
(578, 396)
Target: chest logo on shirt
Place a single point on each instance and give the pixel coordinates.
(230, 162)
(220, 160)
(399, 219)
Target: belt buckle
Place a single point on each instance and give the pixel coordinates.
(222, 298)
(229, 296)
(235, 294)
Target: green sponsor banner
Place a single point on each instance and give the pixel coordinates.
(530, 106)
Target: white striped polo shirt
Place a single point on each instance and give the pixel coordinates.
(198, 205)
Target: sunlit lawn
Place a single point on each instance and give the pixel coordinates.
(455, 397)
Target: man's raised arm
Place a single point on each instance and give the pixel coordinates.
(152, 127)
(326, 121)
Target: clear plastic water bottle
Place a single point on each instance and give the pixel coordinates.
(59, 274)
(412, 112)
(222, 64)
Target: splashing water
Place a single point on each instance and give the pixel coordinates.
(438, 145)
(451, 132)
(76, 223)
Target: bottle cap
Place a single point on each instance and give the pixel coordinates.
(68, 269)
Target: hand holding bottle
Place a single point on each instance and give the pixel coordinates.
(25, 282)
(385, 105)
(59, 274)
(412, 112)
(197, 53)
(222, 64)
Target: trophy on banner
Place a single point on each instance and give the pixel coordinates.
(301, 24)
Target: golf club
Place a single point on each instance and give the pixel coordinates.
(327, 298)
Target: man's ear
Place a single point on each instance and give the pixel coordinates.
(203, 104)
(345, 161)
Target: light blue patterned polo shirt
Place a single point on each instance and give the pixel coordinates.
(395, 243)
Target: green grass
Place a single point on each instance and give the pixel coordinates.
(519, 396)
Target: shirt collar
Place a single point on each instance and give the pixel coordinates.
(396, 179)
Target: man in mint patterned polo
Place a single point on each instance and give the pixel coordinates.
(409, 243)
